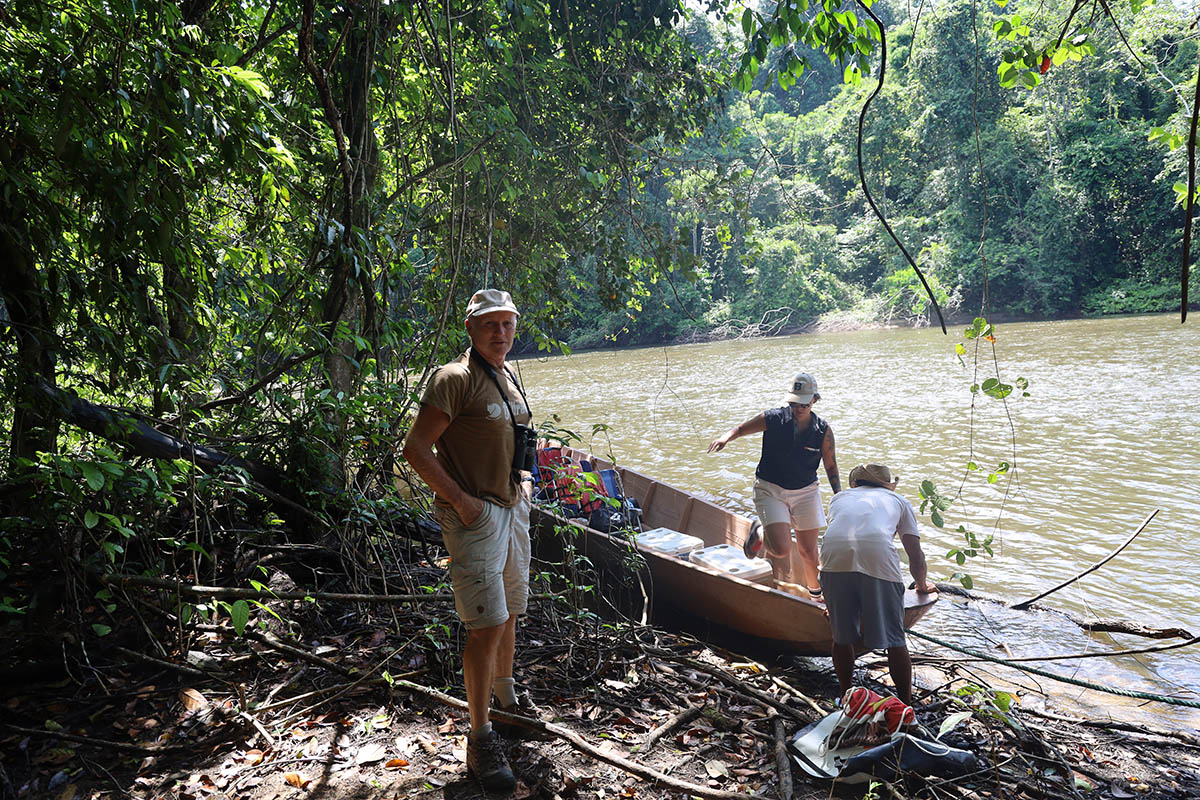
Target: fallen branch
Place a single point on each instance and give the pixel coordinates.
(741, 688)
(282, 647)
(158, 662)
(1094, 625)
(229, 592)
(576, 741)
(1109, 724)
(783, 764)
(258, 726)
(794, 692)
(1025, 604)
(123, 747)
(1066, 657)
(682, 718)
(1121, 626)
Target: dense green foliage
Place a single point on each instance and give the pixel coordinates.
(254, 226)
(1060, 194)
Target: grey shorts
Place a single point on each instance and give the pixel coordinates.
(860, 605)
(489, 562)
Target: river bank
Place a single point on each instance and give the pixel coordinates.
(359, 703)
(835, 322)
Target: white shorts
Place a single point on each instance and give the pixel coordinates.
(800, 507)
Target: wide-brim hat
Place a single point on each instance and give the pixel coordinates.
(485, 301)
(802, 389)
(873, 473)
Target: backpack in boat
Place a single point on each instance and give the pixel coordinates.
(626, 516)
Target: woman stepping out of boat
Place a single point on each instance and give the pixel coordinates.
(787, 494)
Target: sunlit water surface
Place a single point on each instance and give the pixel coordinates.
(1106, 436)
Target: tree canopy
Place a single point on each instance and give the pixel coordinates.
(251, 227)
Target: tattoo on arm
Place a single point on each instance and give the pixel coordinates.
(830, 459)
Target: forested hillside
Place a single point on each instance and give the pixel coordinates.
(1058, 193)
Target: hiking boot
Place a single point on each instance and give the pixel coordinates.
(487, 762)
(524, 707)
(753, 546)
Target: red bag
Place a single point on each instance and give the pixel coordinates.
(864, 706)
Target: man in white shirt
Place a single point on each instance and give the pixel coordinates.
(860, 573)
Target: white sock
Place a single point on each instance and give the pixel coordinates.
(505, 690)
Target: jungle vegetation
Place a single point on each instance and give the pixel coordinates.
(1054, 192)
(235, 238)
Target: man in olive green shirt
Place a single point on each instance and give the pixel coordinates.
(471, 410)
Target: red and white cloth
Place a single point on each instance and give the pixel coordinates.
(869, 718)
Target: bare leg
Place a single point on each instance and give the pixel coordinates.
(777, 538)
(806, 545)
(506, 649)
(479, 667)
(843, 665)
(900, 667)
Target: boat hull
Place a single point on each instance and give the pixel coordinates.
(773, 618)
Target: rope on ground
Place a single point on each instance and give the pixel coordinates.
(1158, 698)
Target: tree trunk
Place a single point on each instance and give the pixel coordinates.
(349, 302)
(34, 426)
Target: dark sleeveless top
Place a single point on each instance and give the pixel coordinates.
(790, 456)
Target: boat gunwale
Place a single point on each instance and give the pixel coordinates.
(919, 602)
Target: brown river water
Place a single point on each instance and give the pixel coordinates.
(1107, 435)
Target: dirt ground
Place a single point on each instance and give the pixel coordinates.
(364, 704)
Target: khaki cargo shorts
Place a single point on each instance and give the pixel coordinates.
(801, 508)
(489, 562)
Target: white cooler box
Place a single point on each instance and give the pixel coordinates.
(729, 559)
(673, 543)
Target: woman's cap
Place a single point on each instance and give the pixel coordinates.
(873, 473)
(801, 389)
(485, 301)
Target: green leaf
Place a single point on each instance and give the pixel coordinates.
(268, 609)
(239, 612)
(951, 722)
(100, 629)
(747, 21)
(1004, 700)
(90, 519)
(93, 475)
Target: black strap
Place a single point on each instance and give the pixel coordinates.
(491, 373)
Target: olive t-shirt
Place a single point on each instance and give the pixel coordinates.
(476, 449)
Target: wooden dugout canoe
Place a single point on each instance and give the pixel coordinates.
(777, 619)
